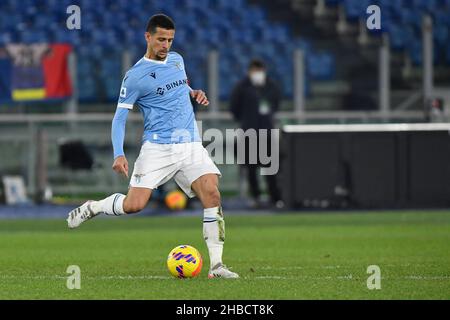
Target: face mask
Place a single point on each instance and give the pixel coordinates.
(258, 78)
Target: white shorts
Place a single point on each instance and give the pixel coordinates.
(158, 163)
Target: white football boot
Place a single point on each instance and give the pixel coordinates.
(79, 215)
(221, 271)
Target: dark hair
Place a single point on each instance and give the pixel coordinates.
(160, 20)
(257, 63)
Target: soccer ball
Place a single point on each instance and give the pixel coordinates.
(176, 200)
(184, 262)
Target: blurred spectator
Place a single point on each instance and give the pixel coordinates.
(254, 100)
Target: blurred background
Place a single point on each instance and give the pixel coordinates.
(363, 113)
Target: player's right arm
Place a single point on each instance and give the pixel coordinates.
(120, 164)
(129, 94)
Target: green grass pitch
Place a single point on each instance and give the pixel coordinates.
(285, 256)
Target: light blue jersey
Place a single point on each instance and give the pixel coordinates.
(160, 89)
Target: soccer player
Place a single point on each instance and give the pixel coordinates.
(171, 147)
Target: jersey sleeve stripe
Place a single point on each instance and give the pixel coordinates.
(125, 105)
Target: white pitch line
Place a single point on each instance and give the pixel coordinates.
(38, 277)
(287, 278)
(331, 267)
(280, 268)
(300, 268)
(348, 277)
(128, 277)
(415, 277)
(262, 277)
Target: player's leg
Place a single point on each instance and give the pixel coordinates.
(154, 166)
(198, 176)
(136, 199)
(206, 187)
(119, 204)
(114, 205)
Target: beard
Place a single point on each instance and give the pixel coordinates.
(161, 55)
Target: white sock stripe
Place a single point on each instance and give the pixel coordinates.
(114, 204)
(119, 204)
(210, 212)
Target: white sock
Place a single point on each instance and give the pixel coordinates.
(214, 233)
(112, 205)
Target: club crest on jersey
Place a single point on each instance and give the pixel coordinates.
(123, 92)
(137, 177)
(179, 65)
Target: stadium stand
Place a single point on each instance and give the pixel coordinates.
(109, 27)
(402, 20)
(338, 27)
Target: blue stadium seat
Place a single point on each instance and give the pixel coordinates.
(320, 66)
(5, 38)
(10, 20)
(354, 9)
(411, 17)
(87, 90)
(400, 35)
(32, 37)
(227, 4)
(441, 35)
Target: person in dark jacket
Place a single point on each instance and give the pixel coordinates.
(254, 100)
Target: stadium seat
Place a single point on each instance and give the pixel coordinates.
(355, 9)
(400, 36)
(320, 66)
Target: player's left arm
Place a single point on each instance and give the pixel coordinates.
(199, 96)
